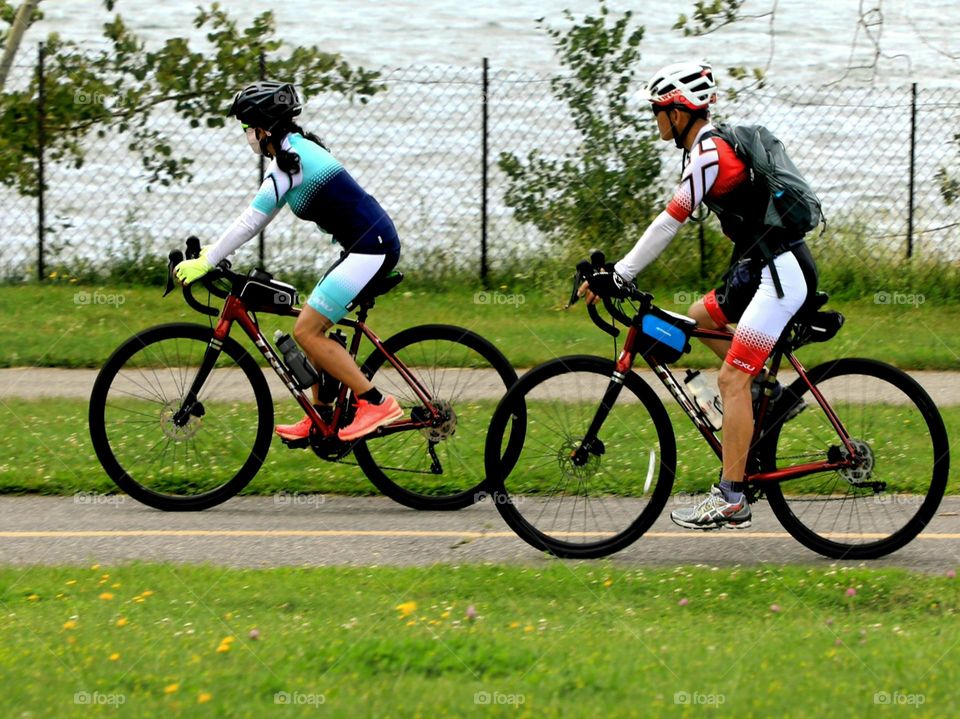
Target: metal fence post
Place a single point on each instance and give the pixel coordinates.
(263, 234)
(913, 167)
(41, 143)
(484, 181)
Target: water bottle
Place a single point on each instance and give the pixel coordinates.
(299, 366)
(706, 398)
(330, 386)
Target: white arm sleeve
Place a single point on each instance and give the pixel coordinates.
(649, 246)
(243, 229)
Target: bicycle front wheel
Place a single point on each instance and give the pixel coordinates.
(580, 507)
(898, 433)
(151, 457)
(441, 467)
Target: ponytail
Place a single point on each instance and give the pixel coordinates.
(294, 127)
(288, 161)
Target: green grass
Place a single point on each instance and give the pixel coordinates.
(561, 640)
(47, 326)
(48, 451)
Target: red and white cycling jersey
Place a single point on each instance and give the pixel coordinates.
(713, 170)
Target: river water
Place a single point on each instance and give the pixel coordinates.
(813, 37)
(417, 147)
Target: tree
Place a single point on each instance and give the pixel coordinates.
(19, 21)
(117, 90)
(603, 190)
(709, 16)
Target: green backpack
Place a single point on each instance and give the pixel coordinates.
(793, 205)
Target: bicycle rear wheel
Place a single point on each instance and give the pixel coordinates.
(169, 467)
(896, 428)
(440, 468)
(574, 508)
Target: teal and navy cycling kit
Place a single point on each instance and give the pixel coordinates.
(325, 193)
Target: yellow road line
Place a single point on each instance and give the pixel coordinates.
(449, 534)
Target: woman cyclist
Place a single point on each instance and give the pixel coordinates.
(306, 176)
(680, 95)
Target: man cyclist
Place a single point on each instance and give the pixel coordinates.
(680, 95)
(306, 176)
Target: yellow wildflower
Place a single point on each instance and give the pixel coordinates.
(170, 688)
(122, 622)
(406, 609)
(204, 697)
(114, 656)
(107, 596)
(70, 624)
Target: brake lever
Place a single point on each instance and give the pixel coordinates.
(584, 270)
(193, 247)
(173, 259)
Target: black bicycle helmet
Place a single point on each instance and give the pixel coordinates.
(266, 103)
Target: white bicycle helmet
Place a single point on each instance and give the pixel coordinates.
(689, 84)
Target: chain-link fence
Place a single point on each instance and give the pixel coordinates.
(428, 149)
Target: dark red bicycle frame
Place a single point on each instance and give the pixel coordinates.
(235, 310)
(625, 364)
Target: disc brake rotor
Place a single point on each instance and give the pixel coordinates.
(864, 469)
(571, 469)
(170, 428)
(446, 428)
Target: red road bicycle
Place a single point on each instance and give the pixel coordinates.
(181, 415)
(857, 475)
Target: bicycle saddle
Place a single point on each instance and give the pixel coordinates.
(379, 286)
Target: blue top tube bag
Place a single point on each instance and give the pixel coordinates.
(664, 335)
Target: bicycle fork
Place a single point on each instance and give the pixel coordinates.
(591, 443)
(190, 405)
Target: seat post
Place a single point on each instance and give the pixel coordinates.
(362, 312)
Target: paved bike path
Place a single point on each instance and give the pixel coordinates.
(43, 383)
(312, 530)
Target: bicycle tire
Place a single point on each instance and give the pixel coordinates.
(106, 453)
(388, 481)
(783, 505)
(498, 472)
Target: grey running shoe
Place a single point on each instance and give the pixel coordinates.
(714, 512)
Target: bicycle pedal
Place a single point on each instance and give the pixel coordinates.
(296, 443)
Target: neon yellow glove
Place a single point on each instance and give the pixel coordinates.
(190, 271)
